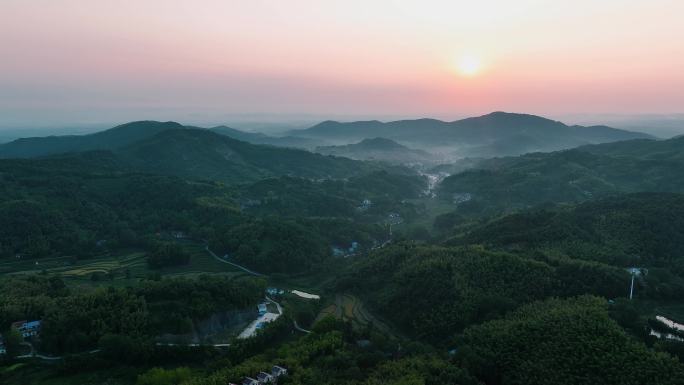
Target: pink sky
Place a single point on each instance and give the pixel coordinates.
(84, 60)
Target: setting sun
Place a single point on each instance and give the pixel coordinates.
(469, 65)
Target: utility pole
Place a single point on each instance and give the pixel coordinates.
(633, 271)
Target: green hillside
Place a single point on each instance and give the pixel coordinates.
(573, 175)
(645, 229)
(495, 134)
(433, 292)
(381, 149)
(202, 154)
(111, 139)
(563, 342)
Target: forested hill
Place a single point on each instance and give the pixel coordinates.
(647, 149)
(63, 205)
(559, 342)
(127, 134)
(573, 175)
(259, 138)
(111, 139)
(644, 229)
(192, 153)
(495, 134)
(433, 292)
(202, 154)
(379, 149)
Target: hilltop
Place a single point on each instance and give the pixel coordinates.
(573, 175)
(381, 149)
(494, 134)
(203, 154)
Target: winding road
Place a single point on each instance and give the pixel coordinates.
(294, 321)
(296, 326)
(224, 260)
(33, 353)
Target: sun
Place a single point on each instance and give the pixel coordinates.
(469, 65)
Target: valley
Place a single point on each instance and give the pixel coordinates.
(341, 192)
(186, 248)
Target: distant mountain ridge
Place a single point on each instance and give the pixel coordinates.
(573, 175)
(204, 154)
(110, 139)
(494, 134)
(170, 148)
(127, 134)
(259, 138)
(381, 149)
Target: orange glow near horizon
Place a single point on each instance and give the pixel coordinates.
(437, 57)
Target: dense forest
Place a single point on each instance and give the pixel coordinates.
(629, 230)
(71, 205)
(75, 320)
(147, 256)
(562, 342)
(572, 175)
(432, 292)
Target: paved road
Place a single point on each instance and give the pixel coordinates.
(296, 326)
(33, 353)
(280, 308)
(231, 263)
(172, 344)
(294, 321)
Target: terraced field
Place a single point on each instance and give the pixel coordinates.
(124, 269)
(135, 261)
(350, 308)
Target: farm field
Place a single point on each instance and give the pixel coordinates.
(347, 307)
(124, 268)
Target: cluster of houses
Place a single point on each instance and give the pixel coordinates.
(178, 234)
(341, 252)
(27, 329)
(265, 378)
(274, 291)
(365, 205)
(394, 219)
(263, 310)
(459, 198)
(247, 203)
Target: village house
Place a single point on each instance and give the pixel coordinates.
(341, 252)
(247, 203)
(27, 328)
(264, 378)
(262, 309)
(3, 349)
(250, 381)
(365, 205)
(462, 198)
(274, 291)
(278, 371)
